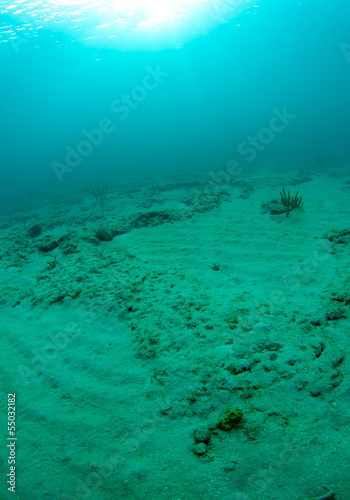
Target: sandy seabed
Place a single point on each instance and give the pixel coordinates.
(128, 331)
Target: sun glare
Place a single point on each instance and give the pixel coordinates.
(128, 24)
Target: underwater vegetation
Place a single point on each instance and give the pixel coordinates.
(230, 419)
(99, 191)
(291, 202)
(52, 263)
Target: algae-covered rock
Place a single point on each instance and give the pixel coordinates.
(232, 418)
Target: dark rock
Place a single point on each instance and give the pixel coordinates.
(69, 248)
(199, 449)
(46, 245)
(275, 207)
(34, 231)
(230, 466)
(104, 234)
(338, 237)
(335, 312)
(202, 435)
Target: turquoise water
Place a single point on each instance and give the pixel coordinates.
(220, 88)
(174, 250)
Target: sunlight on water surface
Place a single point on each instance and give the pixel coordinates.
(124, 24)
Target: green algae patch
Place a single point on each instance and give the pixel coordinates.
(232, 418)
